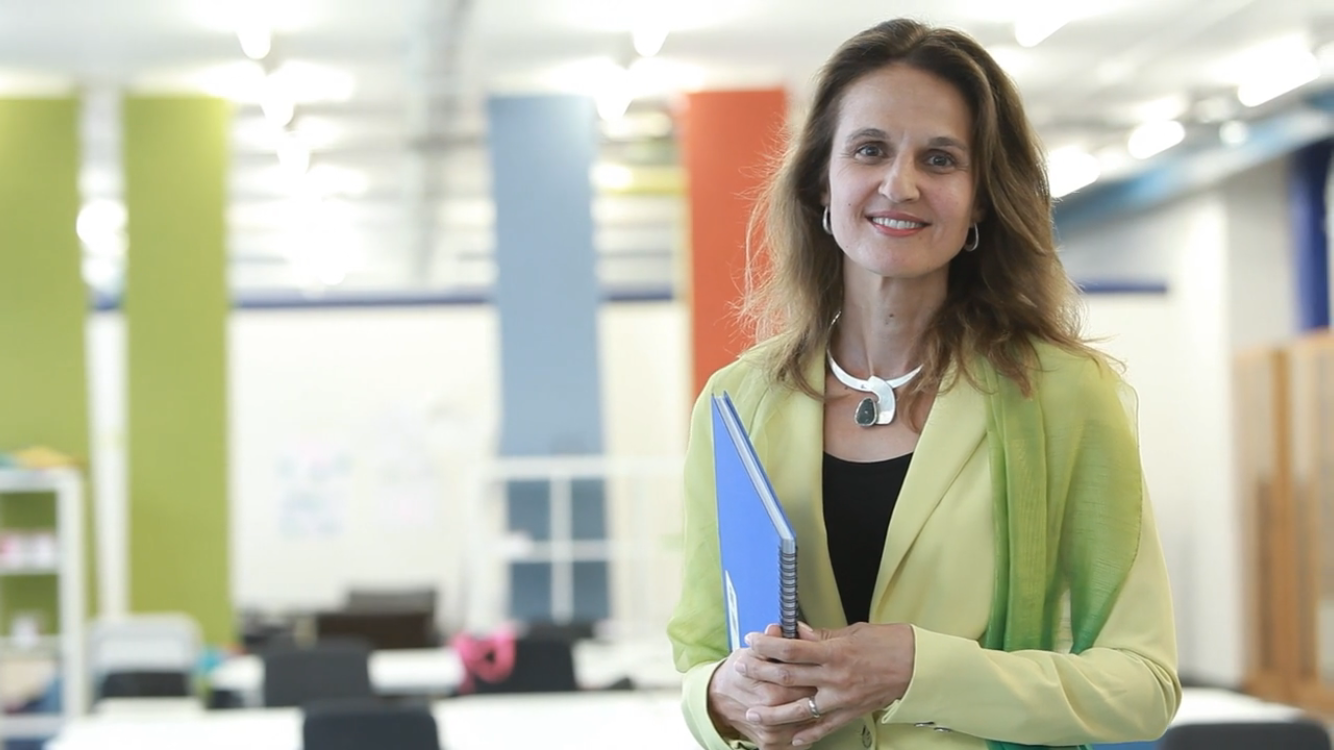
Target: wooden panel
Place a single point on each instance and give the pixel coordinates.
(1263, 467)
(1312, 379)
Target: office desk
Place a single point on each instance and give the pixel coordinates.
(438, 671)
(647, 720)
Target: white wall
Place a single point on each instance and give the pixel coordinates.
(388, 418)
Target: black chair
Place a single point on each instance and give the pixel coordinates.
(1303, 734)
(368, 725)
(541, 665)
(339, 669)
(145, 684)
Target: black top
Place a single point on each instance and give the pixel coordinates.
(859, 499)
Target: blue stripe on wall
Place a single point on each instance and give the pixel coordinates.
(1308, 178)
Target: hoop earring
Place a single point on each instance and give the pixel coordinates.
(828, 229)
(975, 234)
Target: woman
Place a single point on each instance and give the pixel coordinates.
(926, 365)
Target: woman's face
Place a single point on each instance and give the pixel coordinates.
(901, 181)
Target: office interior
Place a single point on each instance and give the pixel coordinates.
(374, 328)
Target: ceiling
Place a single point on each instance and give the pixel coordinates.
(389, 192)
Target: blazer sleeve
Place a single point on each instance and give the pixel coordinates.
(697, 628)
(1123, 689)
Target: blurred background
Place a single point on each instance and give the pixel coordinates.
(383, 320)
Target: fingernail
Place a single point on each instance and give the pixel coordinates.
(752, 716)
(798, 742)
(803, 627)
(741, 667)
(749, 638)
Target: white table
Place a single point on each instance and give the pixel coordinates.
(650, 720)
(438, 671)
(1209, 705)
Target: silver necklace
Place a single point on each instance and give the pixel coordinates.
(882, 408)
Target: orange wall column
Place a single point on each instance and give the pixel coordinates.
(729, 140)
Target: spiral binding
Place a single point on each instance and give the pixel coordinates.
(787, 572)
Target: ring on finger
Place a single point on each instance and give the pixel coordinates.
(815, 710)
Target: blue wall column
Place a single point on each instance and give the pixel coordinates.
(1309, 177)
(542, 150)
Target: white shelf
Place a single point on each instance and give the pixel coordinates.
(17, 481)
(64, 488)
(41, 646)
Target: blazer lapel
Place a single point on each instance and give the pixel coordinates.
(791, 439)
(953, 430)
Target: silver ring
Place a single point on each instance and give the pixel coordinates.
(815, 710)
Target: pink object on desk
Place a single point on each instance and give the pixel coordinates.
(489, 658)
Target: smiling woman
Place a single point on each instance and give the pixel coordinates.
(971, 546)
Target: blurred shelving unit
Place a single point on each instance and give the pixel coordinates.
(57, 553)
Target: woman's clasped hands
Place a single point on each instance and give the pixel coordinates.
(791, 692)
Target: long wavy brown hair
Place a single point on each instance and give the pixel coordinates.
(1001, 298)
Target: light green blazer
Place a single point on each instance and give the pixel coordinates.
(937, 573)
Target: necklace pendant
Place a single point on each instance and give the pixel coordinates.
(868, 413)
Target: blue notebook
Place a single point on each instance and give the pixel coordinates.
(757, 545)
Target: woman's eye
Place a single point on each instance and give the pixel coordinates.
(870, 150)
(940, 160)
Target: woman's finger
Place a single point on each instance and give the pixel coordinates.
(790, 650)
(780, 673)
(828, 723)
(796, 712)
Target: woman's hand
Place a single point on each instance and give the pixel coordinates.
(737, 698)
(853, 671)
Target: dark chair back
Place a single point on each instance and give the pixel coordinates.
(145, 684)
(327, 670)
(541, 665)
(368, 725)
(1275, 735)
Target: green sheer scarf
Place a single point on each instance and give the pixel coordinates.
(1068, 488)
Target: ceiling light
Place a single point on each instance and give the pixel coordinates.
(1165, 108)
(1154, 138)
(1031, 30)
(101, 227)
(256, 40)
(649, 39)
(277, 104)
(1069, 169)
(1233, 132)
(1277, 76)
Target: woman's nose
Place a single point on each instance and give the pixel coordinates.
(900, 181)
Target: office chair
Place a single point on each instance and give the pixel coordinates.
(368, 725)
(1303, 734)
(339, 669)
(143, 655)
(541, 665)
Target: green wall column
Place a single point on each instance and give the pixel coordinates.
(43, 311)
(176, 303)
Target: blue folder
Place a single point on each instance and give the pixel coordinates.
(757, 545)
